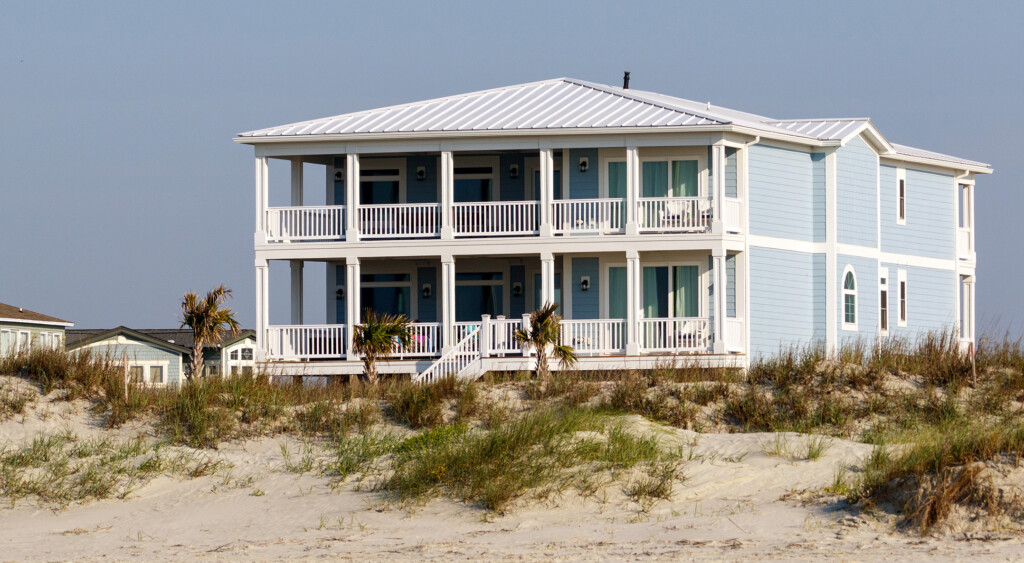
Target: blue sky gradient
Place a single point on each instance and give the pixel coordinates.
(120, 187)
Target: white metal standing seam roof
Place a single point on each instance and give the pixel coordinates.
(567, 103)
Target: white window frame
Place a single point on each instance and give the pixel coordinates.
(28, 340)
(703, 280)
(901, 180)
(883, 285)
(371, 164)
(602, 178)
(842, 281)
(6, 341)
(702, 172)
(532, 166)
(493, 162)
(903, 293)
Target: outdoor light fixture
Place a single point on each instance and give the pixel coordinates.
(584, 163)
(426, 291)
(585, 283)
(517, 289)
(513, 171)
(339, 177)
(341, 293)
(421, 173)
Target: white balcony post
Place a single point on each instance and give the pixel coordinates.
(352, 197)
(526, 328)
(968, 306)
(632, 189)
(485, 336)
(296, 181)
(262, 190)
(447, 198)
(718, 302)
(447, 303)
(547, 279)
(632, 303)
(262, 309)
(718, 189)
(297, 299)
(546, 191)
(352, 303)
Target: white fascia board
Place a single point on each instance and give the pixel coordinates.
(28, 322)
(945, 166)
(874, 138)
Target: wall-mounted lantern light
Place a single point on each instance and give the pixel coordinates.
(341, 293)
(513, 171)
(339, 177)
(585, 283)
(517, 289)
(584, 164)
(421, 173)
(427, 291)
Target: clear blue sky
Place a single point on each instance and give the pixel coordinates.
(120, 187)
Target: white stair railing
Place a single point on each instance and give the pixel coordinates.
(462, 361)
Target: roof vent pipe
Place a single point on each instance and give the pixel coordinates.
(625, 81)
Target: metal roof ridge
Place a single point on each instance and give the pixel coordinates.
(625, 93)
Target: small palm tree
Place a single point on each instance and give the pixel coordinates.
(210, 323)
(378, 337)
(545, 336)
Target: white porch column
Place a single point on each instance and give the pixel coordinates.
(831, 255)
(546, 191)
(632, 189)
(447, 198)
(968, 305)
(718, 189)
(632, 303)
(447, 303)
(296, 181)
(262, 195)
(352, 303)
(262, 309)
(547, 278)
(718, 277)
(297, 299)
(351, 197)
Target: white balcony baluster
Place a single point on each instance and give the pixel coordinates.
(307, 223)
(588, 216)
(399, 220)
(674, 214)
(495, 218)
(305, 342)
(595, 336)
(689, 334)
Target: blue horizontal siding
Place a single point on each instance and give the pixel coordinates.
(584, 185)
(730, 286)
(931, 301)
(857, 194)
(929, 229)
(586, 304)
(421, 191)
(786, 299)
(818, 213)
(731, 189)
(865, 271)
(782, 193)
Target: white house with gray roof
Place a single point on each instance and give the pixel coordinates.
(661, 226)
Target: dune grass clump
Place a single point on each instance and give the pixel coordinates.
(424, 406)
(536, 453)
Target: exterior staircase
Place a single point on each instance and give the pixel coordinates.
(462, 362)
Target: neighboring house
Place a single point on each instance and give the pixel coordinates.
(21, 329)
(162, 356)
(660, 225)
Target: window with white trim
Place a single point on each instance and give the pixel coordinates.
(883, 301)
(156, 375)
(901, 196)
(849, 299)
(6, 342)
(24, 342)
(903, 297)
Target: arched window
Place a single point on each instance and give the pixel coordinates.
(849, 299)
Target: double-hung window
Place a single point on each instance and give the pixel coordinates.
(849, 299)
(903, 297)
(901, 196)
(883, 301)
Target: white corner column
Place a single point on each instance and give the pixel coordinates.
(632, 189)
(262, 308)
(968, 312)
(718, 302)
(351, 197)
(546, 191)
(632, 303)
(297, 299)
(718, 188)
(352, 303)
(447, 197)
(296, 181)
(831, 258)
(262, 196)
(447, 303)
(547, 279)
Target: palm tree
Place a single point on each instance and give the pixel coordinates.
(210, 323)
(378, 337)
(545, 336)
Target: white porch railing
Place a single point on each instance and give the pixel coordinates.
(305, 342)
(460, 361)
(963, 242)
(733, 215)
(426, 341)
(595, 336)
(287, 224)
(463, 328)
(673, 214)
(687, 334)
(495, 218)
(735, 335)
(501, 339)
(588, 216)
(399, 220)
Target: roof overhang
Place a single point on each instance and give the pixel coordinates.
(32, 322)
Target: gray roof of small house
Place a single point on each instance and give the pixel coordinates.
(177, 339)
(10, 313)
(563, 104)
